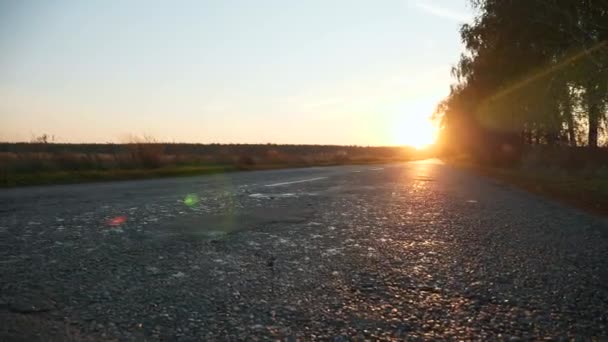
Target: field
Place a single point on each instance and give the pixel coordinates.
(48, 163)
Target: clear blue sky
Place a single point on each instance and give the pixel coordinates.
(314, 71)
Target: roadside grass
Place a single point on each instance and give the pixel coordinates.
(584, 189)
(84, 176)
(65, 177)
(47, 163)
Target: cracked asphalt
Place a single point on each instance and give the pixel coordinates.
(412, 251)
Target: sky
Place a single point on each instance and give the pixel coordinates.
(345, 72)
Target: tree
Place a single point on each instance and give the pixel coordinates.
(529, 66)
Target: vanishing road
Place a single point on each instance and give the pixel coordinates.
(414, 251)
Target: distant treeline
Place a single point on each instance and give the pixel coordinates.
(535, 72)
(50, 157)
(201, 149)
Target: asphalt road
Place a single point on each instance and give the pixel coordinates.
(401, 251)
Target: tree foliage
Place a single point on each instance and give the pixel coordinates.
(534, 72)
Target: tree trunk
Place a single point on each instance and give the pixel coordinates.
(527, 136)
(595, 92)
(571, 132)
(594, 118)
(567, 108)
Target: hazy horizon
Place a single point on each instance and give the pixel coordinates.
(345, 73)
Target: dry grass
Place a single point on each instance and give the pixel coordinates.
(44, 163)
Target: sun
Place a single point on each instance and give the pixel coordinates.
(415, 131)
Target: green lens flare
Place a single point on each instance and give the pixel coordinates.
(191, 200)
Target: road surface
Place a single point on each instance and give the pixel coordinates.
(401, 251)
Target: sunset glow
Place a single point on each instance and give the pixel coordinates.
(218, 75)
(416, 131)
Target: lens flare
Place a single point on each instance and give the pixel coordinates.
(117, 221)
(191, 200)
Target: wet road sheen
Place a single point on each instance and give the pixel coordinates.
(402, 251)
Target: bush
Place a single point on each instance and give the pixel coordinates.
(147, 155)
(565, 158)
(245, 162)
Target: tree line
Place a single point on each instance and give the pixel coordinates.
(535, 72)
